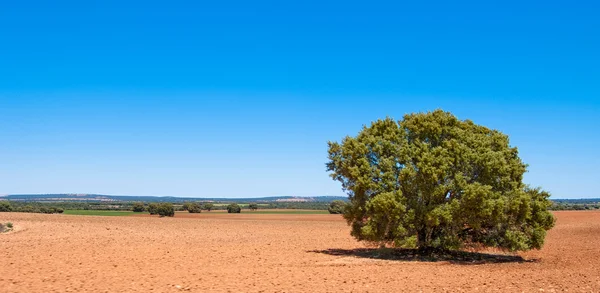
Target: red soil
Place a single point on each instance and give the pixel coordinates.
(216, 252)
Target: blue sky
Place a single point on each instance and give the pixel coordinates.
(238, 98)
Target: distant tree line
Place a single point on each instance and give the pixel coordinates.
(559, 206)
(6, 206)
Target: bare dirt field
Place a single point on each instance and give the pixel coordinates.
(267, 253)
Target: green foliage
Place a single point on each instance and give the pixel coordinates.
(5, 206)
(152, 208)
(194, 208)
(209, 206)
(433, 181)
(575, 204)
(9, 225)
(337, 207)
(253, 207)
(165, 210)
(39, 209)
(138, 207)
(234, 208)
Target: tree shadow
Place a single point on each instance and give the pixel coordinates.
(451, 256)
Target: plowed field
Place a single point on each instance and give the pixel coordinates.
(268, 253)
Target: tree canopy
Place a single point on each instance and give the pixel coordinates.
(208, 206)
(165, 209)
(194, 208)
(336, 207)
(138, 207)
(234, 208)
(434, 181)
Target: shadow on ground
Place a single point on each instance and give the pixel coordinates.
(455, 257)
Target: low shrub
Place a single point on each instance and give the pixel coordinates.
(234, 208)
(337, 207)
(6, 227)
(165, 210)
(208, 206)
(138, 207)
(194, 208)
(152, 208)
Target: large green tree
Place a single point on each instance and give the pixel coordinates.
(434, 181)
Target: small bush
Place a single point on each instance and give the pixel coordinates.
(194, 208)
(234, 208)
(253, 207)
(138, 207)
(165, 210)
(208, 206)
(6, 227)
(153, 208)
(337, 207)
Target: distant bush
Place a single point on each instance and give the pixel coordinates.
(138, 207)
(39, 210)
(152, 208)
(208, 206)
(336, 207)
(194, 208)
(5, 206)
(165, 210)
(253, 207)
(9, 225)
(234, 208)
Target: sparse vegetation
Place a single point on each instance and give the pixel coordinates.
(253, 206)
(6, 227)
(234, 208)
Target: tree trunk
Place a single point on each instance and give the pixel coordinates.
(423, 242)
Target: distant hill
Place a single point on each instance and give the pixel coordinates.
(174, 199)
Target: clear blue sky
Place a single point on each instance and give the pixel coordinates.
(238, 98)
